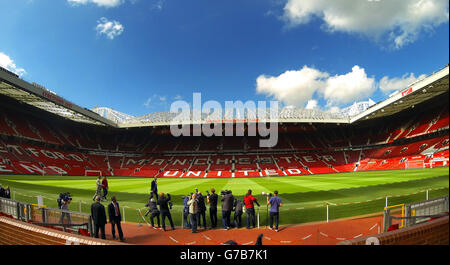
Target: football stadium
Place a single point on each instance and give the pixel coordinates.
(394, 153)
(371, 173)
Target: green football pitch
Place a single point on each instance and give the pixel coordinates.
(304, 197)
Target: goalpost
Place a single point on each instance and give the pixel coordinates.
(414, 164)
(90, 172)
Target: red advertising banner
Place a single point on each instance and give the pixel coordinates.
(406, 91)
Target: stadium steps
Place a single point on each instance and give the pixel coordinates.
(298, 159)
(328, 165)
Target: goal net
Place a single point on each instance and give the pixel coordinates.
(93, 172)
(414, 164)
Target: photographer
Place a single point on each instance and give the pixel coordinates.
(275, 204)
(164, 205)
(227, 207)
(65, 200)
(237, 208)
(201, 209)
(193, 212)
(212, 200)
(153, 209)
(250, 208)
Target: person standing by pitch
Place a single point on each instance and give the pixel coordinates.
(98, 192)
(99, 217)
(193, 212)
(227, 206)
(154, 187)
(115, 218)
(163, 203)
(153, 210)
(275, 204)
(201, 210)
(250, 208)
(212, 200)
(105, 187)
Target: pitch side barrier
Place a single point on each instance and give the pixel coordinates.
(68, 221)
(417, 212)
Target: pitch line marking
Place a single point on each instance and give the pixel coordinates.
(173, 239)
(358, 236)
(306, 237)
(251, 242)
(375, 225)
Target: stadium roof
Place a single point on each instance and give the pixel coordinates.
(38, 96)
(434, 85)
(416, 93)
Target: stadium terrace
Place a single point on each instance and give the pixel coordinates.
(409, 129)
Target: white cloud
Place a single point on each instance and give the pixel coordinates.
(299, 86)
(102, 3)
(341, 89)
(390, 84)
(292, 87)
(155, 100)
(111, 29)
(147, 102)
(159, 4)
(312, 104)
(334, 109)
(7, 63)
(400, 21)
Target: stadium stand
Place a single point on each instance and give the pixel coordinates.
(35, 141)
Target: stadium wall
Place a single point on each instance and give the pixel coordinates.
(435, 232)
(15, 232)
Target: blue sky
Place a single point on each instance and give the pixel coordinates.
(294, 51)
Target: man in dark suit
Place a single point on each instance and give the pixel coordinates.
(212, 200)
(2, 191)
(115, 218)
(201, 210)
(153, 209)
(98, 214)
(227, 207)
(7, 193)
(237, 207)
(154, 187)
(164, 203)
